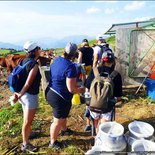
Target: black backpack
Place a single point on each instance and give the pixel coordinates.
(18, 76)
(101, 91)
(104, 48)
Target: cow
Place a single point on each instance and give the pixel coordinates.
(12, 60)
(2, 63)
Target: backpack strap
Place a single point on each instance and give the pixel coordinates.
(96, 72)
(24, 65)
(113, 74)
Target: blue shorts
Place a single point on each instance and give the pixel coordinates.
(87, 112)
(61, 107)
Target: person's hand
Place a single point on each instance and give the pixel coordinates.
(15, 98)
(82, 89)
(17, 95)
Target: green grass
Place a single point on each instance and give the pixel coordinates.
(11, 121)
(111, 41)
(4, 51)
(22, 52)
(72, 150)
(59, 51)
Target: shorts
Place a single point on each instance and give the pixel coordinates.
(29, 101)
(88, 69)
(107, 116)
(61, 107)
(87, 112)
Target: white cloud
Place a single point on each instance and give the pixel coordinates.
(142, 18)
(135, 5)
(108, 11)
(93, 10)
(23, 25)
(18, 25)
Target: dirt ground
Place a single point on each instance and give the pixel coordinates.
(133, 107)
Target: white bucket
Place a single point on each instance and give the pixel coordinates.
(98, 150)
(130, 140)
(111, 135)
(138, 130)
(143, 145)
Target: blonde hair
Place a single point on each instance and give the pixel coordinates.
(84, 44)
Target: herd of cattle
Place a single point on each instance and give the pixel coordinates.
(11, 61)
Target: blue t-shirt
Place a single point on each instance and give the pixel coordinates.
(61, 69)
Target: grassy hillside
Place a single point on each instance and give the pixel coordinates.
(109, 40)
(4, 52)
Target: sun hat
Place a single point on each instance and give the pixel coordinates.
(108, 56)
(101, 38)
(71, 48)
(30, 45)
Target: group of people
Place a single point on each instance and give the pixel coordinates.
(62, 85)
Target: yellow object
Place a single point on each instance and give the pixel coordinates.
(76, 99)
(88, 69)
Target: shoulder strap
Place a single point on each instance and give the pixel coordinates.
(96, 72)
(107, 45)
(113, 74)
(31, 60)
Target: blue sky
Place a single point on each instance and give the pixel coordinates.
(25, 20)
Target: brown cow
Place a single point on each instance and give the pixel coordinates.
(13, 60)
(2, 63)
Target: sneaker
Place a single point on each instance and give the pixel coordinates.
(87, 128)
(67, 132)
(56, 145)
(28, 148)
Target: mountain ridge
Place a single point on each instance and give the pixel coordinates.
(47, 43)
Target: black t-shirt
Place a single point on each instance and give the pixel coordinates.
(87, 55)
(34, 87)
(117, 80)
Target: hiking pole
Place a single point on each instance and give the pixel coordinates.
(142, 82)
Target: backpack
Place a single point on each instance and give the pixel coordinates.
(104, 48)
(18, 76)
(101, 91)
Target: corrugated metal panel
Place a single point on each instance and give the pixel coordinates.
(142, 24)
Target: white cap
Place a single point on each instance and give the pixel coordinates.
(71, 48)
(101, 38)
(29, 46)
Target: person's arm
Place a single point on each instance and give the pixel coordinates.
(95, 57)
(72, 86)
(29, 81)
(95, 60)
(80, 57)
(89, 79)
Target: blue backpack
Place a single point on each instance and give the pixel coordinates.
(18, 76)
